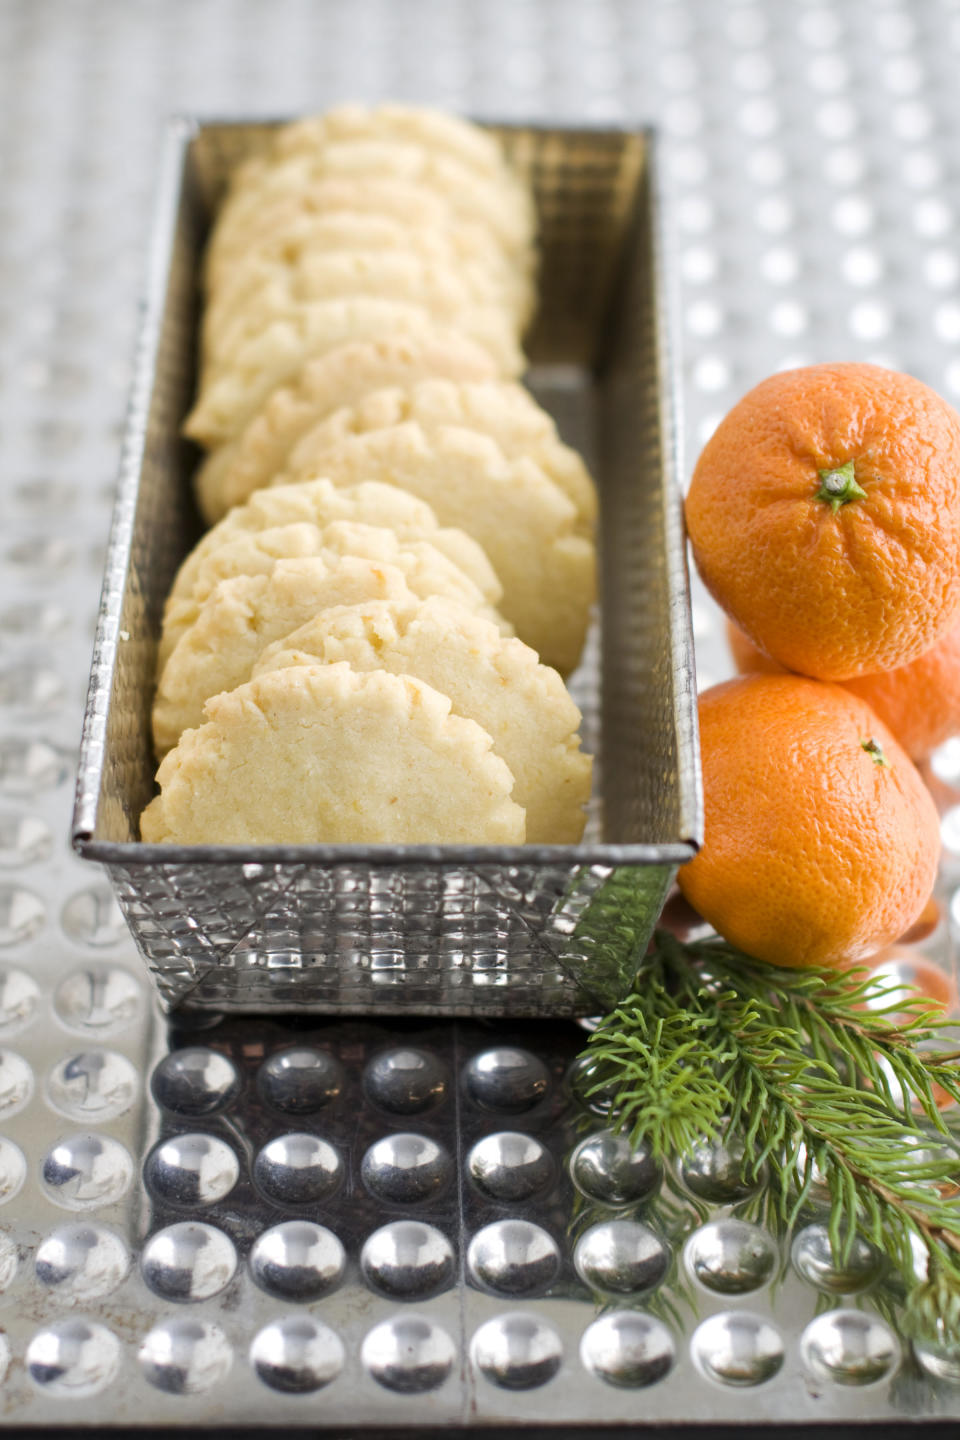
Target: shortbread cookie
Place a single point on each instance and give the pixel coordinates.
(241, 617)
(501, 204)
(255, 552)
(384, 274)
(523, 705)
(524, 522)
(320, 502)
(233, 471)
(434, 129)
(358, 233)
(501, 409)
(230, 401)
(323, 755)
(282, 217)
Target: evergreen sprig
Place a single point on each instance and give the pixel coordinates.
(829, 1078)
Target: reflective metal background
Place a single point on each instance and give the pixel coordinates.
(813, 168)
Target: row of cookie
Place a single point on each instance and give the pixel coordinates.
(364, 693)
(409, 207)
(481, 452)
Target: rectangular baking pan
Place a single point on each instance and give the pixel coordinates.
(442, 930)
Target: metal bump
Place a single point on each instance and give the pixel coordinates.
(185, 1356)
(408, 1354)
(621, 1256)
(938, 1357)
(297, 1169)
(83, 1172)
(583, 1081)
(94, 1085)
(19, 996)
(812, 1256)
(13, 1170)
(628, 1349)
(9, 1261)
(33, 688)
(298, 1260)
(300, 1081)
(737, 1348)
(716, 1172)
(510, 1166)
(297, 1354)
(24, 840)
(517, 1351)
(195, 1081)
(406, 1168)
(93, 918)
(408, 1260)
(73, 1358)
(513, 1257)
(28, 767)
(189, 1261)
(99, 998)
(405, 1081)
(192, 1170)
(849, 1347)
(34, 620)
(607, 1168)
(731, 1257)
(507, 1079)
(45, 554)
(82, 1262)
(16, 1083)
(22, 915)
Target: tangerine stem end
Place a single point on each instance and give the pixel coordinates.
(838, 486)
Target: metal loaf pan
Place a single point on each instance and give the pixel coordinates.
(451, 930)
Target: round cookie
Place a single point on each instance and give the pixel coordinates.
(323, 755)
(434, 129)
(428, 571)
(524, 522)
(282, 216)
(320, 502)
(501, 204)
(343, 376)
(384, 274)
(522, 705)
(229, 401)
(499, 408)
(241, 617)
(358, 233)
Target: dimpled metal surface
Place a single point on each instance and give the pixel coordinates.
(808, 152)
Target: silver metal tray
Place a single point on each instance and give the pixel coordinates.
(431, 929)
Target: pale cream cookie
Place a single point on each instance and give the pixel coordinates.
(324, 755)
(428, 571)
(281, 218)
(358, 233)
(241, 617)
(320, 502)
(233, 471)
(434, 129)
(501, 204)
(384, 274)
(525, 523)
(523, 705)
(274, 357)
(499, 408)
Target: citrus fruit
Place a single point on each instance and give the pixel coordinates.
(821, 841)
(747, 658)
(824, 514)
(919, 702)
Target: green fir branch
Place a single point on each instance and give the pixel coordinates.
(824, 1090)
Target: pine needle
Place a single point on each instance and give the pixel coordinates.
(823, 1089)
